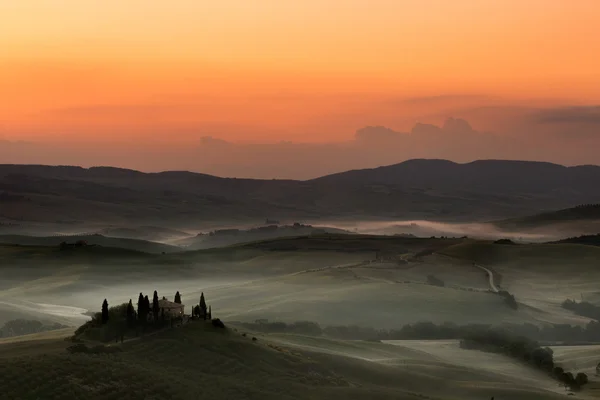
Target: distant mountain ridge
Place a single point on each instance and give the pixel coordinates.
(420, 188)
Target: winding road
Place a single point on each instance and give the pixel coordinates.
(490, 275)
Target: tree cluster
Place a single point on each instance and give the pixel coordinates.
(509, 299)
(202, 310)
(584, 309)
(525, 350)
(118, 320)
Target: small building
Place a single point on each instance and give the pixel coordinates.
(170, 309)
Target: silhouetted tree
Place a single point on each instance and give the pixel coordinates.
(203, 305)
(104, 311)
(581, 379)
(141, 303)
(558, 372)
(130, 313)
(146, 307)
(209, 313)
(155, 307)
(197, 310)
(177, 298)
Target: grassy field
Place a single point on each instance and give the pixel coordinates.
(541, 276)
(199, 361)
(330, 279)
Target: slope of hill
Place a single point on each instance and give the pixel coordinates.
(414, 189)
(585, 216)
(150, 233)
(227, 237)
(591, 240)
(492, 176)
(98, 240)
(199, 360)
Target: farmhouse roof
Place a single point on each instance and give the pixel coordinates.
(166, 304)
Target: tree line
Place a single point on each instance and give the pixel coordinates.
(564, 333)
(524, 350)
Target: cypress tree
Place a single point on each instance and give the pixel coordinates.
(203, 305)
(104, 311)
(140, 309)
(146, 307)
(177, 298)
(209, 312)
(155, 307)
(130, 313)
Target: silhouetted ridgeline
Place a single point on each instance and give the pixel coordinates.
(429, 331)
(390, 191)
(591, 240)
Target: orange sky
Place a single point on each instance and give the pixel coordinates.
(270, 70)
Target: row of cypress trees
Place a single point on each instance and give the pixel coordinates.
(143, 308)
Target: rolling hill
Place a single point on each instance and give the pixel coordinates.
(585, 218)
(434, 189)
(98, 240)
(199, 360)
(378, 281)
(227, 237)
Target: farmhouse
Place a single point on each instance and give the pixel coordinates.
(170, 309)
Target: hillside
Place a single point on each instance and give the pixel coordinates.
(227, 237)
(583, 219)
(415, 189)
(198, 359)
(591, 240)
(97, 240)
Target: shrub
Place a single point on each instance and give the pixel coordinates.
(509, 299)
(581, 379)
(217, 323)
(432, 280)
(504, 241)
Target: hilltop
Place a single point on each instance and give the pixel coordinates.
(413, 189)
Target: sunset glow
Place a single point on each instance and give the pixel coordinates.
(69, 67)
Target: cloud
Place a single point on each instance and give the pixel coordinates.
(376, 134)
(570, 115)
(390, 134)
(447, 98)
